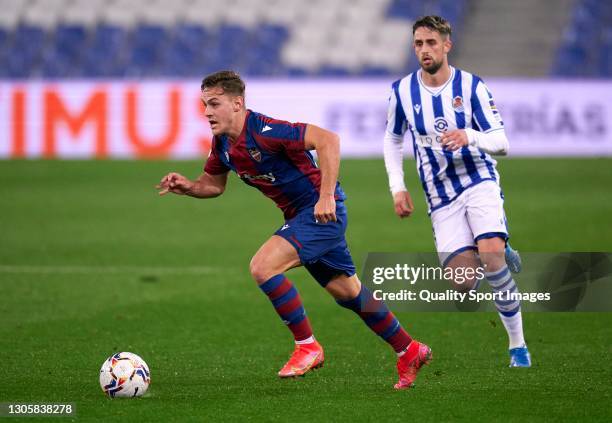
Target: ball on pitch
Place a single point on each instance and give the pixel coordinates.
(124, 374)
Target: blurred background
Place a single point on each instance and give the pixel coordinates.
(287, 38)
(120, 78)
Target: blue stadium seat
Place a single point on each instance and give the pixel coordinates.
(148, 45)
(271, 34)
(104, 57)
(293, 71)
(71, 34)
(333, 71)
(55, 66)
(585, 47)
(606, 63)
(4, 50)
(28, 44)
(236, 40)
(183, 55)
(571, 61)
(406, 9)
(63, 57)
(374, 71)
(263, 56)
(452, 10)
(605, 67)
(190, 35)
(4, 36)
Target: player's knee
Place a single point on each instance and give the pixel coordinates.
(344, 288)
(493, 245)
(464, 284)
(492, 261)
(491, 252)
(259, 271)
(464, 268)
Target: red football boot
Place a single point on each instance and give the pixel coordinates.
(305, 357)
(408, 365)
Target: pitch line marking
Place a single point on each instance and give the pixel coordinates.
(43, 269)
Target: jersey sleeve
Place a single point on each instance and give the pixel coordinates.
(396, 118)
(279, 135)
(214, 165)
(484, 109)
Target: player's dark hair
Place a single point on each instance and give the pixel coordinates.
(228, 80)
(434, 23)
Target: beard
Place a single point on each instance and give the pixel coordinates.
(432, 68)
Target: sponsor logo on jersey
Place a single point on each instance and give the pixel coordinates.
(255, 154)
(265, 177)
(266, 128)
(417, 108)
(440, 125)
(285, 226)
(429, 141)
(227, 156)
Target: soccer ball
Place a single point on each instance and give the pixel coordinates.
(124, 375)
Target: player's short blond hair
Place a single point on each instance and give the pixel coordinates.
(228, 80)
(434, 23)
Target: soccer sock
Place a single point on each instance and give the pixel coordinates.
(501, 281)
(308, 340)
(377, 316)
(288, 305)
(514, 327)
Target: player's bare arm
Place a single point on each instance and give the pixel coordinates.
(327, 146)
(206, 186)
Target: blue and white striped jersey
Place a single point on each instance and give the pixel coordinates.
(463, 102)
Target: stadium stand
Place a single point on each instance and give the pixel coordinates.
(586, 47)
(188, 38)
(511, 38)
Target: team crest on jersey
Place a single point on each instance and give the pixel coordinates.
(458, 104)
(255, 154)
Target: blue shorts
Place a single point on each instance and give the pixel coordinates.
(321, 247)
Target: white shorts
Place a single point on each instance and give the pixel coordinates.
(476, 214)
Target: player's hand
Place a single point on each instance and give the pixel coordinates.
(454, 140)
(403, 204)
(325, 209)
(175, 183)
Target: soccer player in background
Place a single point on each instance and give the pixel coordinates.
(273, 156)
(455, 128)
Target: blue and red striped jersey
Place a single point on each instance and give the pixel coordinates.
(270, 155)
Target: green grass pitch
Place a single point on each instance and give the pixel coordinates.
(92, 262)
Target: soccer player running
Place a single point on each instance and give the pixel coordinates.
(273, 156)
(455, 128)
